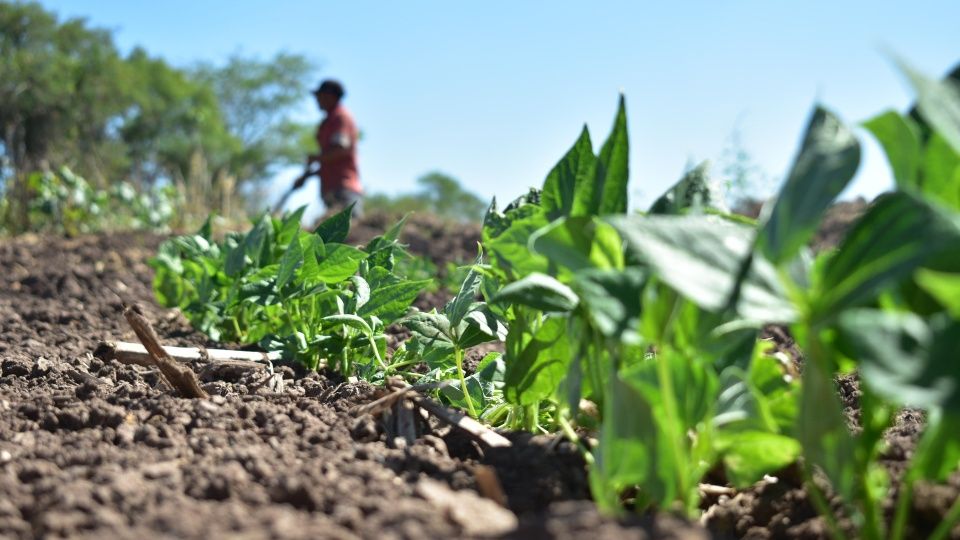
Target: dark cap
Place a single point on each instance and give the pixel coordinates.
(331, 87)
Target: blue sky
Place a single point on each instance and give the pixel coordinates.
(494, 92)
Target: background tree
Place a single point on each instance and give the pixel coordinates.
(68, 97)
(439, 194)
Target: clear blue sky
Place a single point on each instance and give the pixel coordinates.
(494, 92)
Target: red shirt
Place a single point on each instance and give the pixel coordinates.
(339, 130)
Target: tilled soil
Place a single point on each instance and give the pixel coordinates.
(96, 449)
(93, 448)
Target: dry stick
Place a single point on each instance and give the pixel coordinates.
(136, 354)
(179, 376)
(462, 421)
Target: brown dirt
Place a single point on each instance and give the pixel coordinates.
(94, 449)
(90, 448)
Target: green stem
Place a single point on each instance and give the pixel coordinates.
(458, 356)
(575, 439)
(899, 528)
(948, 522)
(674, 438)
(531, 417)
(376, 352)
(871, 517)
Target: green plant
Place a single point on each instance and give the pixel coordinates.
(309, 295)
(445, 336)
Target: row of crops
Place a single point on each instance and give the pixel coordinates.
(643, 328)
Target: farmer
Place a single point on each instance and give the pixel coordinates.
(336, 163)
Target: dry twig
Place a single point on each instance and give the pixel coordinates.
(178, 376)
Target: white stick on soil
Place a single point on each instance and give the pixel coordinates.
(135, 353)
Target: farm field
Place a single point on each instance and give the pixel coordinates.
(605, 352)
(94, 448)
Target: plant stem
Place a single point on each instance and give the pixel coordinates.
(675, 436)
(376, 352)
(458, 356)
(531, 417)
(948, 522)
(899, 527)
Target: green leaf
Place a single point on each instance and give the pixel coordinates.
(828, 159)
(460, 304)
(432, 326)
(903, 358)
(901, 142)
(539, 291)
(897, 234)
(749, 455)
(291, 260)
(575, 169)
(701, 257)
(290, 226)
(351, 321)
(607, 194)
(941, 172)
(577, 243)
(938, 103)
(611, 300)
(509, 249)
(335, 228)
(480, 325)
(692, 191)
(341, 262)
(392, 301)
(536, 373)
(361, 291)
(942, 286)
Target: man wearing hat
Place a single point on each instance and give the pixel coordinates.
(336, 163)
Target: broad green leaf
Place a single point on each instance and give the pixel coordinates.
(576, 243)
(335, 228)
(539, 291)
(392, 301)
(458, 307)
(900, 142)
(509, 249)
(235, 260)
(692, 191)
(903, 358)
(361, 291)
(749, 455)
(611, 300)
(480, 325)
(258, 241)
(897, 235)
(938, 103)
(828, 159)
(701, 256)
(607, 194)
(290, 226)
(942, 286)
(536, 373)
(340, 262)
(312, 247)
(941, 172)
(349, 320)
(291, 260)
(576, 168)
(430, 326)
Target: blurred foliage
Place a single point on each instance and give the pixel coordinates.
(439, 194)
(68, 97)
(66, 203)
